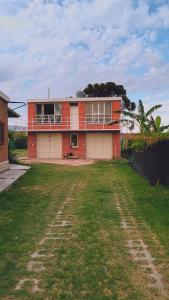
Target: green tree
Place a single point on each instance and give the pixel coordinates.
(143, 120)
(109, 89)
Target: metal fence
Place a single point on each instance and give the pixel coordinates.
(153, 163)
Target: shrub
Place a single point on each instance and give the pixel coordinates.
(11, 147)
(21, 140)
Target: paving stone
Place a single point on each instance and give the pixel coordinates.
(60, 224)
(52, 238)
(35, 284)
(35, 266)
(41, 253)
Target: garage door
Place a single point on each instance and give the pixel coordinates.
(49, 145)
(99, 145)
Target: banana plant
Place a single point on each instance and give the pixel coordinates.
(143, 120)
(156, 125)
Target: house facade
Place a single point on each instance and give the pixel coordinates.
(3, 132)
(73, 128)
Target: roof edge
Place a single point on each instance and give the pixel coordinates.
(74, 99)
(4, 97)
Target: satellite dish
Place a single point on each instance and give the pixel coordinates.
(79, 94)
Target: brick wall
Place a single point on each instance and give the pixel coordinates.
(80, 151)
(31, 145)
(116, 145)
(31, 112)
(4, 119)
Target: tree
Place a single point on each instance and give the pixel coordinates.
(143, 120)
(109, 89)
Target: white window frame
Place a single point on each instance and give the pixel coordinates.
(41, 118)
(98, 113)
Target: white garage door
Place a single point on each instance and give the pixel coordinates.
(99, 145)
(49, 145)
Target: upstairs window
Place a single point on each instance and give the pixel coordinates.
(48, 109)
(48, 113)
(39, 109)
(58, 112)
(98, 112)
(2, 129)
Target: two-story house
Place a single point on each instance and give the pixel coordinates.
(78, 127)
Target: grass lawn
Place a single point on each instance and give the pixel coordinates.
(20, 153)
(93, 262)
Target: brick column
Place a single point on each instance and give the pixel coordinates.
(116, 145)
(31, 145)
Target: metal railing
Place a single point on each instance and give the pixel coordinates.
(56, 122)
(48, 119)
(98, 118)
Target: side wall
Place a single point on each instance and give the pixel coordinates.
(4, 147)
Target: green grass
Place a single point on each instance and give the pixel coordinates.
(20, 153)
(93, 264)
(152, 201)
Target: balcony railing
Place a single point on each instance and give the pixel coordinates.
(56, 122)
(98, 119)
(48, 119)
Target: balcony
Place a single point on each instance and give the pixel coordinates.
(48, 119)
(57, 123)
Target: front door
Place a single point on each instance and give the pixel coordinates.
(74, 117)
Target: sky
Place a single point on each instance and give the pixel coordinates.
(66, 44)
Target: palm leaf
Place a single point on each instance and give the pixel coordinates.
(131, 115)
(162, 128)
(129, 123)
(158, 121)
(152, 109)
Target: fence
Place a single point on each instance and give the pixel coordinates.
(153, 163)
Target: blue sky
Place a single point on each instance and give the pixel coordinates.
(66, 44)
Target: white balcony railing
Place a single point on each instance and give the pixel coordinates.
(98, 118)
(54, 122)
(48, 119)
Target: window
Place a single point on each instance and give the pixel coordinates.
(108, 116)
(89, 112)
(74, 140)
(48, 109)
(49, 113)
(58, 113)
(2, 128)
(39, 109)
(98, 112)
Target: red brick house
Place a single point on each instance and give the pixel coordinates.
(5, 112)
(73, 127)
